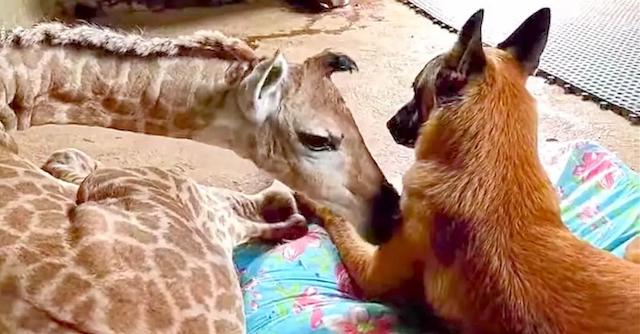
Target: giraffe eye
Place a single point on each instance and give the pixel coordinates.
(318, 143)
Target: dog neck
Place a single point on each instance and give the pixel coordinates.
(486, 154)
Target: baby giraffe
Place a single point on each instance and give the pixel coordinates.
(124, 250)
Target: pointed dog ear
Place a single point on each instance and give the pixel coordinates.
(467, 54)
(465, 59)
(528, 41)
(327, 62)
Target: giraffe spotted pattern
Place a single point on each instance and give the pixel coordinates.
(135, 250)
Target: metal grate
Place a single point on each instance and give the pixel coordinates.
(593, 48)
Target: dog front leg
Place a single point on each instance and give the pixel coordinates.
(375, 269)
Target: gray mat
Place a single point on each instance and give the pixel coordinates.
(593, 48)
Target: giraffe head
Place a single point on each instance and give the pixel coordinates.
(289, 119)
(299, 129)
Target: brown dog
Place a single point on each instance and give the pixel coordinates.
(481, 220)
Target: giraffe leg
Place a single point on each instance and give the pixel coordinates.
(70, 165)
(278, 214)
(276, 202)
(291, 228)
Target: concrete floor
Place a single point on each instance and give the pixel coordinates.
(390, 44)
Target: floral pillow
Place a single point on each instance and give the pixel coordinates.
(600, 196)
(301, 286)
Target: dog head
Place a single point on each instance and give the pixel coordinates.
(447, 77)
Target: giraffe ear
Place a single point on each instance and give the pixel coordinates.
(260, 91)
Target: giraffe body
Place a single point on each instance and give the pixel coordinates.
(129, 250)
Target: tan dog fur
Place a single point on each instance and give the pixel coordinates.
(481, 220)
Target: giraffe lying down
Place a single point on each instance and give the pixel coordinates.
(257, 212)
(124, 250)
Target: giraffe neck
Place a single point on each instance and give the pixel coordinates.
(220, 203)
(180, 97)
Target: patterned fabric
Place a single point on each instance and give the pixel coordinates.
(600, 196)
(301, 286)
